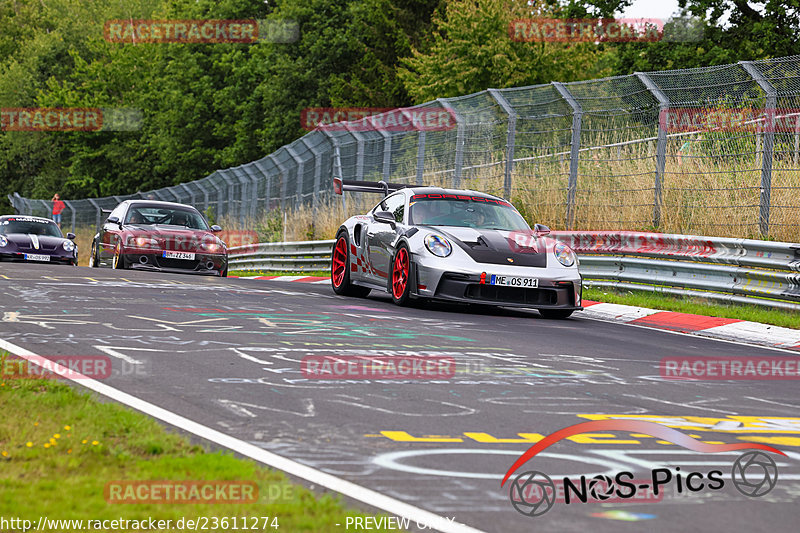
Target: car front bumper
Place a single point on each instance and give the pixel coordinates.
(58, 259)
(203, 264)
(557, 289)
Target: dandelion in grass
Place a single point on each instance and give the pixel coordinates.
(29, 444)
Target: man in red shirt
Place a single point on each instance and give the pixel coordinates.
(58, 207)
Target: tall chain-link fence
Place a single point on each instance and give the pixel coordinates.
(706, 151)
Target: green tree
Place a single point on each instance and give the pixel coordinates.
(472, 51)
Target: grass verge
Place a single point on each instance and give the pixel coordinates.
(60, 449)
(694, 305)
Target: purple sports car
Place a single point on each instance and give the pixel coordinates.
(34, 239)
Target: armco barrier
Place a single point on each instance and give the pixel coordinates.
(275, 256)
(737, 270)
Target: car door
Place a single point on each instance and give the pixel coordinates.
(381, 236)
(109, 232)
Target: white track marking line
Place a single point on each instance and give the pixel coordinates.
(346, 488)
(695, 334)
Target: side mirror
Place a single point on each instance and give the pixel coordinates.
(540, 230)
(113, 220)
(70, 235)
(216, 228)
(385, 217)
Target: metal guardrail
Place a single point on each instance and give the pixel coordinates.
(275, 256)
(734, 270)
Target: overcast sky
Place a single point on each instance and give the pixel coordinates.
(656, 9)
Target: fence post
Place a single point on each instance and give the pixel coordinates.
(244, 182)
(769, 139)
(387, 154)
(317, 175)
(661, 143)
(420, 148)
(252, 210)
(300, 166)
(190, 192)
(337, 161)
(218, 214)
(173, 193)
(200, 186)
(359, 150)
(48, 208)
(284, 179)
(510, 140)
(264, 171)
(71, 210)
(99, 211)
(575, 146)
(460, 140)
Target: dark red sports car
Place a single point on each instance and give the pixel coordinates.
(161, 236)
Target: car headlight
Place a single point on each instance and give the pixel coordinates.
(564, 254)
(3, 241)
(143, 242)
(213, 247)
(69, 246)
(438, 245)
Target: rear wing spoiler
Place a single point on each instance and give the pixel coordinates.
(340, 185)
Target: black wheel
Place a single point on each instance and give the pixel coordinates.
(340, 269)
(558, 314)
(401, 276)
(224, 273)
(119, 258)
(94, 262)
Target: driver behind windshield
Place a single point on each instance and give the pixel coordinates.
(135, 218)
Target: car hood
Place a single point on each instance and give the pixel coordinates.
(30, 241)
(499, 247)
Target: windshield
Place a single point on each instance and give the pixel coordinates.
(29, 225)
(150, 216)
(466, 212)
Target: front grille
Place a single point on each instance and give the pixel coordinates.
(513, 295)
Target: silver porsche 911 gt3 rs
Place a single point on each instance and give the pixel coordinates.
(453, 245)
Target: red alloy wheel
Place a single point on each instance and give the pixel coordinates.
(400, 273)
(339, 262)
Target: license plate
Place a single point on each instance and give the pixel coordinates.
(514, 281)
(37, 257)
(178, 255)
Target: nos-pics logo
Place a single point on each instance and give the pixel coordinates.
(533, 493)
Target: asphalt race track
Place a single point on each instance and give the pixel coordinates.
(227, 353)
